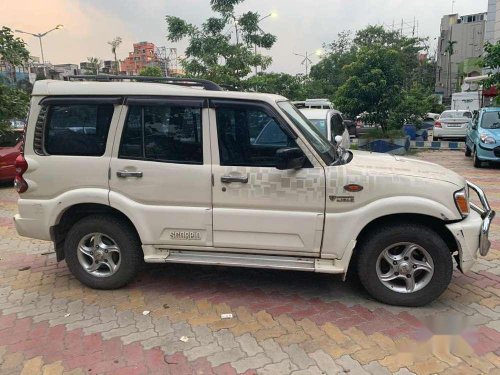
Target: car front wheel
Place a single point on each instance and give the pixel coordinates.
(103, 252)
(477, 162)
(405, 265)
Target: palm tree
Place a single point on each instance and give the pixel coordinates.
(115, 43)
(93, 66)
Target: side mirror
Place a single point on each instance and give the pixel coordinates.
(290, 158)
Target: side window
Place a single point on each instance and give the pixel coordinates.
(164, 133)
(248, 136)
(337, 125)
(77, 129)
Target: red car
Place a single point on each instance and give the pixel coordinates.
(10, 148)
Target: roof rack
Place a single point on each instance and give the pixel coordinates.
(189, 82)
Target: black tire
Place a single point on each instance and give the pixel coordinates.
(477, 162)
(374, 243)
(436, 139)
(125, 238)
(468, 151)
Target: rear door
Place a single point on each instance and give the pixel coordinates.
(160, 173)
(67, 146)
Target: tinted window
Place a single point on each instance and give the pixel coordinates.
(337, 125)
(166, 133)
(248, 136)
(490, 120)
(80, 129)
(10, 139)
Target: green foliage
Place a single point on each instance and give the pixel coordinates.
(413, 105)
(13, 51)
(374, 84)
(94, 65)
(211, 52)
(378, 72)
(13, 104)
(284, 84)
(151, 71)
(492, 61)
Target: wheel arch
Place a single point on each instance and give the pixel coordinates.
(438, 225)
(76, 212)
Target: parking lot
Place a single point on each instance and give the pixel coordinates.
(169, 320)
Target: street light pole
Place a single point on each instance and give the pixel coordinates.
(40, 36)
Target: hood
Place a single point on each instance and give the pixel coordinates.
(393, 164)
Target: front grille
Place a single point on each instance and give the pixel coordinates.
(496, 151)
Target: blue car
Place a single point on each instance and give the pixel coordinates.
(483, 136)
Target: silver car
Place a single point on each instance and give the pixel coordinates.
(452, 124)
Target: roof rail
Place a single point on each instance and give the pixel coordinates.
(190, 82)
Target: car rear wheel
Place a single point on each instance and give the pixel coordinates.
(405, 265)
(103, 252)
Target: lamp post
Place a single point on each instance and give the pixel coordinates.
(40, 36)
(306, 61)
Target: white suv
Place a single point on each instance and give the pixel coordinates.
(115, 173)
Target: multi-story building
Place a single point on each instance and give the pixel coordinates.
(492, 32)
(143, 55)
(460, 43)
(108, 67)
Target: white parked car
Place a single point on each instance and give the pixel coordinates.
(452, 124)
(115, 173)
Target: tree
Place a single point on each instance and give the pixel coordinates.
(13, 104)
(94, 65)
(211, 52)
(13, 51)
(374, 85)
(491, 61)
(151, 71)
(276, 83)
(115, 43)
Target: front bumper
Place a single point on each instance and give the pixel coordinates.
(472, 233)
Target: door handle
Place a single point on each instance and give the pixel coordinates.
(124, 173)
(229, 179)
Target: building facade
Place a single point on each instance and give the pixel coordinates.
(143, 55)
(492, 32)
(460, 44)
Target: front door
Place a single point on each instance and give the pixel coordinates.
(256, 206)
(160, 173)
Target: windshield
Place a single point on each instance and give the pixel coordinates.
(456, 114)
(490, 120)
(310, 132)
(320, 124)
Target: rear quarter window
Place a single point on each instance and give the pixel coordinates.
(77, 129)
(10, 139)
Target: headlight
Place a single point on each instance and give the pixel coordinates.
(485, 138)
(462, 201)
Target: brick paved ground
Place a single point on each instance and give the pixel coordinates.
(284, 322)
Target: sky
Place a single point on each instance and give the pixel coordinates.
(300, 25)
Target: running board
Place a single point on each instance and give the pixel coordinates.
(247, 260)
